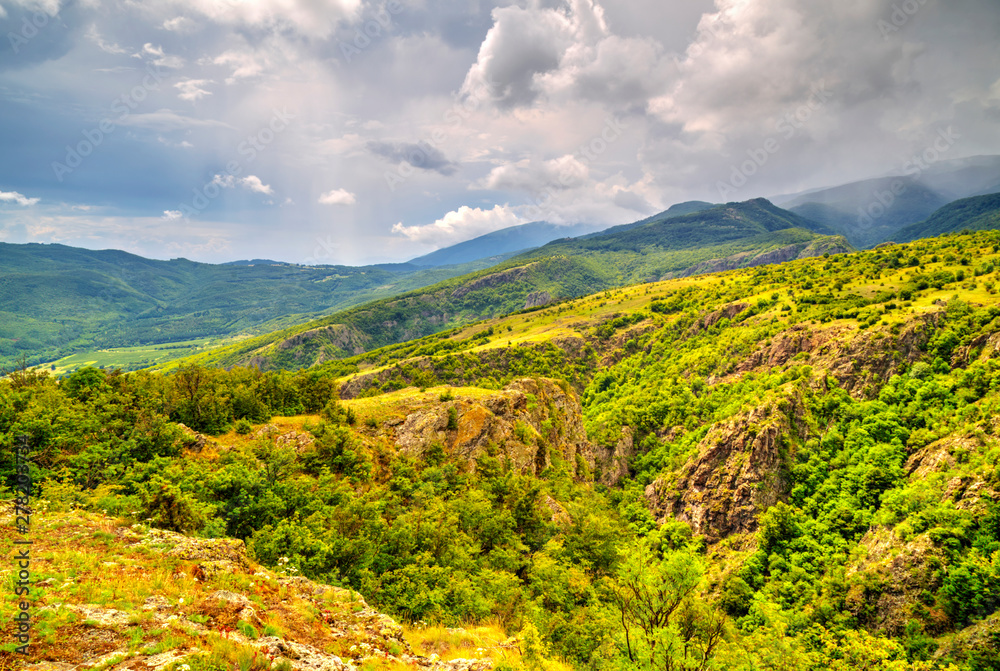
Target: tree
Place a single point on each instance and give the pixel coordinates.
(664, 626)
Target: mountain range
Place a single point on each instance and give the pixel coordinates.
(57, 301)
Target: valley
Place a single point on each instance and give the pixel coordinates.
(799, 456)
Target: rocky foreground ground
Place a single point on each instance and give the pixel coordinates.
(112, 596)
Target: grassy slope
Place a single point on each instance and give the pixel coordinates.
(562, 269)
(975, 214)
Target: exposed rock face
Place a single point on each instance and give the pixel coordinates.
(296, 440)
(196, 441)
(614, 462)
(504, 277)
(537, 299)
(859, 361)
(529, 421)
(803, 250)
(738, 472)
(901, 572)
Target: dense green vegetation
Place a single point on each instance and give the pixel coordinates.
(732, 235)
(57, 300)
(973, 214)
(838, 414)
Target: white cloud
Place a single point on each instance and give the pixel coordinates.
(253, 183)
(461, 224)
(180, 24)
(106, 47)
(568, 51)
(171, 215)
(161, 59)
(250, 182)
(534, 176)
(191, 89)
(338, 197)
(15, 197)
(244, 65)
(50, 7)
(307, 17)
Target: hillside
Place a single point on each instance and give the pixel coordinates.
(871, 211)
(56, 300)
(796, 463)
(973, 214)
(134, 595)
(717, 238)
(845, 209)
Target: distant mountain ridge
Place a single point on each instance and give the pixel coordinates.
(720, 237)
(974, 214)
(502, 242)
(871, 211)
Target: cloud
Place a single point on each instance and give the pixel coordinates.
(462, 224)
(180, 24)
(50, 7)
(15, 197)
(244, 65)
(338, 197)
(191, 89)
(312, 18)
(166, 120)
(171, 215)
(106, 47)
(535, 176)
(547, 53)
(161, 59)
(420, 155)
(250, 182)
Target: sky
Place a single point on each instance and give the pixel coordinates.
(360, 131)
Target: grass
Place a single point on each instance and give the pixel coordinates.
(131, 358)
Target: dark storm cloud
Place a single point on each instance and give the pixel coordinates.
(419, 155)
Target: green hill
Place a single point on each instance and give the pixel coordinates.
(787, 466)
(57, 300)
(718, 238)
(975, 214)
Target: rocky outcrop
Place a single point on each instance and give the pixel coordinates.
(195, 441)
(738, 472)
(614, 461)
(340, 633)
(530, 421)
(803, 250)
(895, 575)
(297, 440)
(537, 299)
(494, 279)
